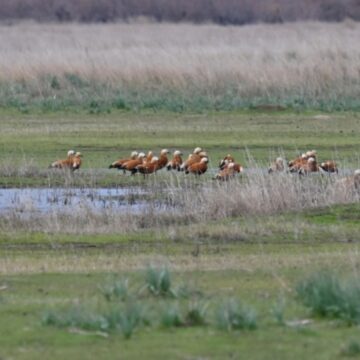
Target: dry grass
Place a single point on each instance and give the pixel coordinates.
(11, 168)
(258, 259)
(260, 194)
(312, 60)
(80, 262)
(191, 202)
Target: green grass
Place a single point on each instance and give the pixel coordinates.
(115, 289)
(329, 296)
(231, 315)
(171, 316)
(342, 215)
(158, 282)
(107, 137)
(98, 97)
(351, 349)
(28, 298)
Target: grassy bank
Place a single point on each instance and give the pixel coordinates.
(336, 224)
(179, 68)
(265, 277)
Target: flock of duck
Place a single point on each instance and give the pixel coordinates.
(304, 164)
(197, 164)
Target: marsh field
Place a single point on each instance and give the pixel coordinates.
(101, 264)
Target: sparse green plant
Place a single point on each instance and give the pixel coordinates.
(76, 317)
(131, 317)
(232, 315)
(196, 314)
(327, 295)
(158, 282)
(351, 349)
(120, 318)
(184, 292)
(54, 83)
(75, 80)
(117, 289)
(278, 309)
(171, 316)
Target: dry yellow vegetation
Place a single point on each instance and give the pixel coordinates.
(304, 59)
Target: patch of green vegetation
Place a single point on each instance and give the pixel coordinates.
(73, 317)
(158, 282)
(117, 289)
(351, 349)
(104, 138)
(346, 215)
(231, 315)
(329, 296)
(51, 93)
(196, 314)
(42, 240)
(171, 316)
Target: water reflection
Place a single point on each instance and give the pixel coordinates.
(65, 199)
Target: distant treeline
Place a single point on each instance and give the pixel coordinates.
(224, 12)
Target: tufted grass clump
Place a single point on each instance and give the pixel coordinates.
(128, 318)
(196, 314)
(158, 282)
(170, 316)
(351, 349)
(277, 311)
(125, 319)
(232, 315)
(76, 317)
(329, 296)
(116, 289)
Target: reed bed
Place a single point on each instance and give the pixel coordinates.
(180, 67)
(262, 194)
(190, 202)
(11, 168)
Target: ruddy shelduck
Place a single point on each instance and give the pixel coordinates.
(198, 168)
(228, 158)
(228, 171)
(76, 161)
(297, 163)
(277, 166)
(132, 164)
(66, 163)
(119, 163)
(149, 156)
(194, 158)
(309, 167)
(176, 161)
(163, 159)
(329, 166)
(148, 167)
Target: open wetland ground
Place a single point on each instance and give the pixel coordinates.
(101, 264)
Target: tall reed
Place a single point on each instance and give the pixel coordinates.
(180, 67)
(189, 202)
